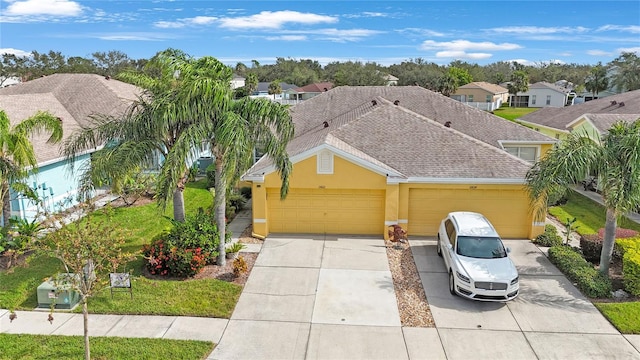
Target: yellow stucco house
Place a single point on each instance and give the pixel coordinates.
(365, 158)
(481, 91)
(594, 117)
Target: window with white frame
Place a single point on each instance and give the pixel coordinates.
(533, 99)
(548, 99)
(527, 153)
(489, 98)
(470, 98)
(325, 162)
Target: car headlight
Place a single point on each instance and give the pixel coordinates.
(515, 281)
(462, 277)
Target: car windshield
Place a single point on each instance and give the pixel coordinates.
(480, 247)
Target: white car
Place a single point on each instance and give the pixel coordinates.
(477, 261)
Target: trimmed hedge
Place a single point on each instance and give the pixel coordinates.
(591, 245)
(631, 264)
(549, 237)
(578, 270)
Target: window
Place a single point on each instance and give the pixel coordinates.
(325, 162)
(470, 98)
(489, 98)
(451, 231)
(558, 136)
(527, 153)
(548, 99)
(533, 99)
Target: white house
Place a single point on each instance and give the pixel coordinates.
(543, 94)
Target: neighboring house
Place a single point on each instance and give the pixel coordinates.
(73, 98)
(308, 91)
(391, 80)
(237, 81)
(366, 157)
(559, 122)
(543, 94)
(482, 95)
(284, 97)
(9, 81)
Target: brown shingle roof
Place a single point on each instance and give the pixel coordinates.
(72, 97)
(559, 118)
(603, 122)
(406, 143)
(492, 88)
(315, 88)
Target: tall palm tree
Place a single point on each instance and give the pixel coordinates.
(149, 128)
(597, 80)
(519, 83)
(17, 157)
(233, 129)
(615, 160)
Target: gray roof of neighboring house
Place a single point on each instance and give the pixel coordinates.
(71, 97)
(264, 86)
(408, 139)
(603, 122)
(546, 85)
(492, 88)
(559, 118)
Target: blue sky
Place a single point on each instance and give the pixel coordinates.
(386, 32)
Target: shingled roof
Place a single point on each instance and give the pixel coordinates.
(71, 97)
(401, 131)
(489, 87)
(559, 118)
(602, 122)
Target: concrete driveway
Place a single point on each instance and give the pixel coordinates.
(332, 298)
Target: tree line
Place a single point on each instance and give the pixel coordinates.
(621, 74)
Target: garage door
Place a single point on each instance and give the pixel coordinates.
(507, 210)
(326, 211)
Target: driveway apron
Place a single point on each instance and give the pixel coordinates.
(316, 298)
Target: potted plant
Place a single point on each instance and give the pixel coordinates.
(233, 250)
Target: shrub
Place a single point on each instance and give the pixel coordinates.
(620, 233)
(197, 231)
(630, 249)
(578, 270)
(186, 262)
(591, 245)
(246, 192)
(549, 237)
(239, 266)
(157, 256)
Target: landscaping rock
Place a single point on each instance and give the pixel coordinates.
(620, 294)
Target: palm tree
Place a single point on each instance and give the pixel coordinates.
(616, 161)
(275, 88)
(447, 84)
(231, 128)
(519, 83)
(251, 83)
(626, 71)
(597, 80)
(17, 156)
(148, 128)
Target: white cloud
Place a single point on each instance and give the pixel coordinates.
(44, 7)
(365, 14)
(631, 50)
(336, 35)
(598, 53)
(420, 32)
(537, 30)
(132, 36)
(180, 23)
(16, 52)
(634, 29)
(523, 62)
(464, 45)
(275, 20)
(287, 38)
(459, 54)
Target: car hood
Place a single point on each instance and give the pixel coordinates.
(494, 270)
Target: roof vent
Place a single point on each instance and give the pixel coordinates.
(374, 103)
(613, 102)
(396, 102)
(448, 124)
(621, 104)
(107, 77)
(325, 124)
(325, 89)
(59, 118)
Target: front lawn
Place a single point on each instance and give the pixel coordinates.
(590, 214)
(624, 316)
(203, 297)
(513, 113)
(25, 347)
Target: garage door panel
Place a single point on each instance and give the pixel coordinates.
(507, 210)
(343, 211)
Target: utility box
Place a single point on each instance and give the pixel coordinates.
(59, 292)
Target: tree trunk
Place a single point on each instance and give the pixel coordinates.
(178, 204)
(608, 241)
(6, 203)
(219, 205)
(85, 316)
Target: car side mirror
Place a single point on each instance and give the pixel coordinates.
(508, 250)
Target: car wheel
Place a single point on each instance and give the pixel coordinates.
(438, 249)
(452, 284)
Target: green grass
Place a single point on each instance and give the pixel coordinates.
(511, 113)
(624, 316)
(204, 297)
(72, 347)
(590, 214)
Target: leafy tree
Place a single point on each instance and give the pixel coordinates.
(111, 63)
(150, 127)
(447, 84)
(233, 129)
(17, 154)
(251, 83)
(626, 69)
(354, 74)
(597, 80)
(275, 88)
(461, 76)
(13, 66)
(519, 83)
(241, 69)
(90, 248)
(615, 161)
